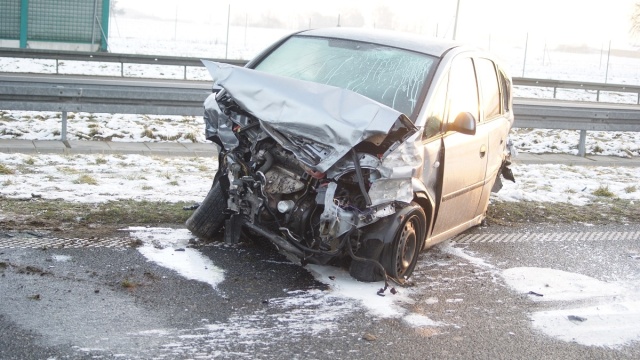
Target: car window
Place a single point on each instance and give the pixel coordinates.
(506, 92)
(435, 111)
(463, 90)
(488, 80)
(391, 76)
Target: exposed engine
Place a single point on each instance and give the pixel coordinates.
(270, 187)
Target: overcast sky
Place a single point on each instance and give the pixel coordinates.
(568, 21)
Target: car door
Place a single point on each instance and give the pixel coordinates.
(494, 121)
(465, 156)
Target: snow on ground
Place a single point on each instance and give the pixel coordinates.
(587, 310)
(574, 307)
(611, 310)
(101, 178)
(578, 308)
(306, 312)
(609, 143)
(169, 248)
(577, 185)
(43, 125)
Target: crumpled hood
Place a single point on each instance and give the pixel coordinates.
(296, 112)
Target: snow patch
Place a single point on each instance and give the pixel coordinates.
(168, 248)
(61, 258)
(610, 318)
(557, 285)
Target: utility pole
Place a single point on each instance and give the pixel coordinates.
(455, 24)
(226, 50)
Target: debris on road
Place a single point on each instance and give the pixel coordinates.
(576, 318)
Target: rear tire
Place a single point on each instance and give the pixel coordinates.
(207, 220)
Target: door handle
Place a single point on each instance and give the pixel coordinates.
(483, 151)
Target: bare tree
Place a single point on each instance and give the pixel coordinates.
(635, 21)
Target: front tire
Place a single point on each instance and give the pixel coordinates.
(207, 220)
(399, 260)
(395, 242)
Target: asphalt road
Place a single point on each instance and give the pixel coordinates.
(111, 302)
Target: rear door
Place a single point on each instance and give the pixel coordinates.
(465, 156)
(494, 121)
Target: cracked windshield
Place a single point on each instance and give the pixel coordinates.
(393, 77)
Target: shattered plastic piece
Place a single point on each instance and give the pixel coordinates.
(191, 207)
(380, 292)
(369, 337)
(386, 190)
(576, 318)
(535, 293)
(180, 249)
(332, 277)
(393, 291)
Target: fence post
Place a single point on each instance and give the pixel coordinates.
(104, 28)
(606, 74)
(24, 23)
(526, 47)
(582, 146)
(93, 23)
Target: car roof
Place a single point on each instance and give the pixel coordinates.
(413, 42)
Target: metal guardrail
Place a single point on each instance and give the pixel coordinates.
(124, 99)
(195, 62)
(578, 85)
(112, 58)
(167, 98)
(576, 116)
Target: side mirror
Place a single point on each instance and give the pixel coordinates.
(464, 123)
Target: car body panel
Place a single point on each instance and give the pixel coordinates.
(343, 159)
(341, 118)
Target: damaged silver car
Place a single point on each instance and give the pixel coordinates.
(355, 148)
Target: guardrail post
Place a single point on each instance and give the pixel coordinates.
(63, 135)
(121, 69)
(582, 146)
(57, 67)
(598, 95)
(185, 72)
(555, 90)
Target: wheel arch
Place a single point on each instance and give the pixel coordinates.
(424, 200)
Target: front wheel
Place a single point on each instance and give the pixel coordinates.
(400, 258)
(393, 242)
(207, 220)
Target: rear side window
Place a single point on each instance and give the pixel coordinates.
(489, 86)
(506, 93)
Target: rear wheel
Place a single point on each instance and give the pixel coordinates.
(207, 220)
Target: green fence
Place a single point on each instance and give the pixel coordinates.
(67, 21)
